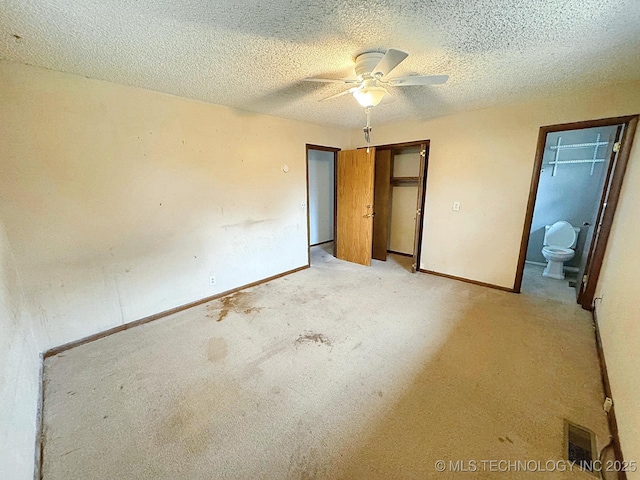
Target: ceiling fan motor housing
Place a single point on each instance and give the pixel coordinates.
(366, 63)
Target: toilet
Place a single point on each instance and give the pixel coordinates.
(558, 247)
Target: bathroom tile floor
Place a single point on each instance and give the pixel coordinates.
(534, 283)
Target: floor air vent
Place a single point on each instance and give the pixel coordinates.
(580, 445)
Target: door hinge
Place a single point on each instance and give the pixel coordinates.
(584, 279)
(423, 153)
(616, 147)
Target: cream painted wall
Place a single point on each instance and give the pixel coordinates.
(404, 200)
(407, 164)
(118, 202)
(619, 311)
(484, 160)
(402, 226)
(19, 372)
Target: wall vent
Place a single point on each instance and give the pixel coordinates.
(580, 445)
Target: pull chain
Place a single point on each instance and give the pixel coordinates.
(367, 129)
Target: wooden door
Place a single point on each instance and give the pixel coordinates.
(417, 240)
(381, 204)
(354, 225)
(595, 222)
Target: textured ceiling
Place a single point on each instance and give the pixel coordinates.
(252, 54)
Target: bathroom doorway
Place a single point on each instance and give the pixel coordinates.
(575, 186)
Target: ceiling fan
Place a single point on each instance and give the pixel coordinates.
(372, 70)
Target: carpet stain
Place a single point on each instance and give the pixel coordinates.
(70, 451)
(184, 428)
(302, 465)
(239, 302)
(183, 423)
(317, 338)
(254, 366)
(217, 349)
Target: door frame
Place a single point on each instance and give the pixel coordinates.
(596, 255)
(335, 150)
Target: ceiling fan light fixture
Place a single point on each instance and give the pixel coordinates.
(369, 96)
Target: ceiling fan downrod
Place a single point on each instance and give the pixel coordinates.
(367, 129)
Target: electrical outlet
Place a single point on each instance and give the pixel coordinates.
(456, 206)
(212, 280)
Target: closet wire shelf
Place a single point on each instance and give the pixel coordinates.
(559, 147)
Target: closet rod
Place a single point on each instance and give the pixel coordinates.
(560, 162)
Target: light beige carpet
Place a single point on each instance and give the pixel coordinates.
(338, 371)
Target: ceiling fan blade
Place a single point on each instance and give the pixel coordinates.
(331, 80)
(418, 80)
(391, 60)
(351, 90)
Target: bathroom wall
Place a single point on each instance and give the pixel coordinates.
(321, 196)
(117, 203)
(573, 194)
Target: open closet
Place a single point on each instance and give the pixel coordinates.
(399, 194)
(380, 195)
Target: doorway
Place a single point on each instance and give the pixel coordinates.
(321, 197)
(399, 196)
(372, 217)
(575, 186)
